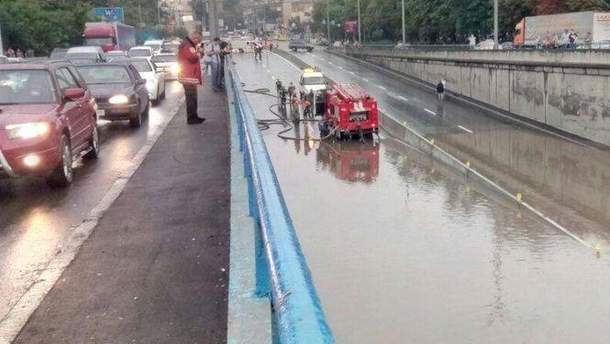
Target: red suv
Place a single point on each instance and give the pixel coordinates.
(47, 120)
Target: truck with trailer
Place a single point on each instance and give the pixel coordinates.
(109, 36)
(592, 30)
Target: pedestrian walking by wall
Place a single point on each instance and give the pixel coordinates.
(190, 74)
(440, 90)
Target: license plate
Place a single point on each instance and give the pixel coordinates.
(100, 113)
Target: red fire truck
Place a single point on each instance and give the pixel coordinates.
(350, 110)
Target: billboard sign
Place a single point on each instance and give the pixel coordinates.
(350, 26)
(109, 14)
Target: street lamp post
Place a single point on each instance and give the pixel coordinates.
(1, 46)
(496, 43)
(359, 30)
(328, 21)
(404, 35)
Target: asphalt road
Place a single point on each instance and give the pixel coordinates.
(403, 249)
(154, 270)
(562, 175)
(36, 220)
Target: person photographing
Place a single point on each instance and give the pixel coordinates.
(190, 74)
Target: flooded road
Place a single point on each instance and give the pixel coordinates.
(404, 249)
(35, 220)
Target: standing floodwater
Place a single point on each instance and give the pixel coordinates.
(403, 249)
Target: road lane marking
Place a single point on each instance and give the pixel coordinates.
(430, 112)
(289, 63)
(403, 98)
(465, 129)
(381, 88)
(498, 188)
(19, 314)
(365, 79)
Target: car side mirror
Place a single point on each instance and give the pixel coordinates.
(72, 94)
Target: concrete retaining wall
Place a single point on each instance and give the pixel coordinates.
(573, 96)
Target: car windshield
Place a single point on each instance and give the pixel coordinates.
(139, 52)
(98, 42)
(164, 58)
(58, 54)
(313, 80)
(26, 87)
(154, 46)
(105, 74)
(82, 56)
(142, 66)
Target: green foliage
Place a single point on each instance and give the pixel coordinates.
(441, 21)
(42, 25)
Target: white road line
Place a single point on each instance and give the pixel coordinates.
(17, 317)
(430, 112)
(290, 63)
(381, 88)
(465, 129)
(403, 98)
(500, 189)
(352, 73)
(365, 79)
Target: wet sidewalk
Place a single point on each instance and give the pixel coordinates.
(155, 269)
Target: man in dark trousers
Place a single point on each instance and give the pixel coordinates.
(190, 74)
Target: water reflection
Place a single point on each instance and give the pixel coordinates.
(350, 161)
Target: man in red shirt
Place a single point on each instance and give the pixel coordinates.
(190, 74)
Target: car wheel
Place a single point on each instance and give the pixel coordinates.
(136, 121)
(94, 144)
(63, 174)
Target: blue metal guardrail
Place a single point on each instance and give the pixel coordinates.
(297, 312)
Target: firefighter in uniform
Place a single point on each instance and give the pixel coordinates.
(190, 74)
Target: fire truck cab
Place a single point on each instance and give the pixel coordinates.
(349, 110)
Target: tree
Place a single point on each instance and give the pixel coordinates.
(41, 26)
(587, 5)
(550, 7)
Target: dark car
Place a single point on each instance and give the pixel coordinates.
(119, 90)
(47, 119)
(297, 43)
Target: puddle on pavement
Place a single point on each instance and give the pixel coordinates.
(403, 249)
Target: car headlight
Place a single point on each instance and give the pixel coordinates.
(27, 130)
(176, 69)
(119, 99)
